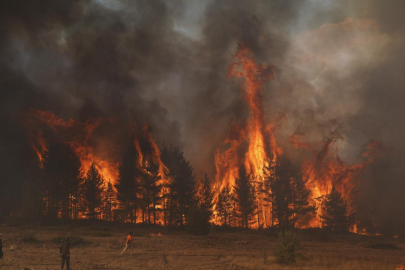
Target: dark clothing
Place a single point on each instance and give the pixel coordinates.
(65, 254)
(65, 249)
(67, 260)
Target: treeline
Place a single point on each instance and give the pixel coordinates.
(59, 190)
(284, 192)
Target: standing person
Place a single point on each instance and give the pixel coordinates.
(1, 247)
(65, 254)
(128, 242)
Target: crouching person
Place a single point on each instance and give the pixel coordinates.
(65, 254)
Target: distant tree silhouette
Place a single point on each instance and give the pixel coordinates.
(286, 192)
(198, 220)
(128, 184)
(205, 196)
(334, 211)
(151, 188)
(199, 215)
(109, 201)
(18, 161)
(225, 205)
(244, 196)
(32, 199)
(62, 177)
(93, 188)
(181, 194)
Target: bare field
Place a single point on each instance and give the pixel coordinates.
(161, 248)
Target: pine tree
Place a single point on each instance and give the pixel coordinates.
(62, 179)
(151, 189)
(199, 215)
(206, 196)
(127, 185)
(32, 200)
(225, 205)
(300, 205)
(93, 191)
(109, 201)
(181, 194)
(244, 196)
(286, 192)
(334, 211)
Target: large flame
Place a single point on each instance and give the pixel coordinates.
(253, 144)
(153, 155)
(325, 169)
(255, 133)
(77, 134)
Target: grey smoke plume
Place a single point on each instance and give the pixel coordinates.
(165, 63)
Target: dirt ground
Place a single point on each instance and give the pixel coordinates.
(161, 248)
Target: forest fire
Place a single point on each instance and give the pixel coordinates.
(77, 135)
(326, 169)
(319, 173)
(202, 134)
(261, 144)
(251, 144)
(262, 148)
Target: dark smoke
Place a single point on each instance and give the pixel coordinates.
(165, 63)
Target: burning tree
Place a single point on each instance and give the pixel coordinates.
(181, 194)
(150, 190)
(205, 196)
(93, 188)
(225, 205)
(284, 196)
(128, 183)
(286, 191)
(109, 200)
(199, 215)
(255, 133)
(250, 168)
(62, 177)
(334, 211)
(245, 197)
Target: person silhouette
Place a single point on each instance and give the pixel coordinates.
(65, 254)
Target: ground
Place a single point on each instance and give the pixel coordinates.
(99, 246)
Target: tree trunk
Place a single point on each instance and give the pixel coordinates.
(131, 214)
(154, 210)
(181, 215)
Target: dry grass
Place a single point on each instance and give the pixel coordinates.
(159, 248)
(314, 263)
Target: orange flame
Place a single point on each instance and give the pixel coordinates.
(77, 135)
(253, 144)
(326, 169)
(256, 133)
(153, 156)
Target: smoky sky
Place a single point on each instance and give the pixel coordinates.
(337, 64)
